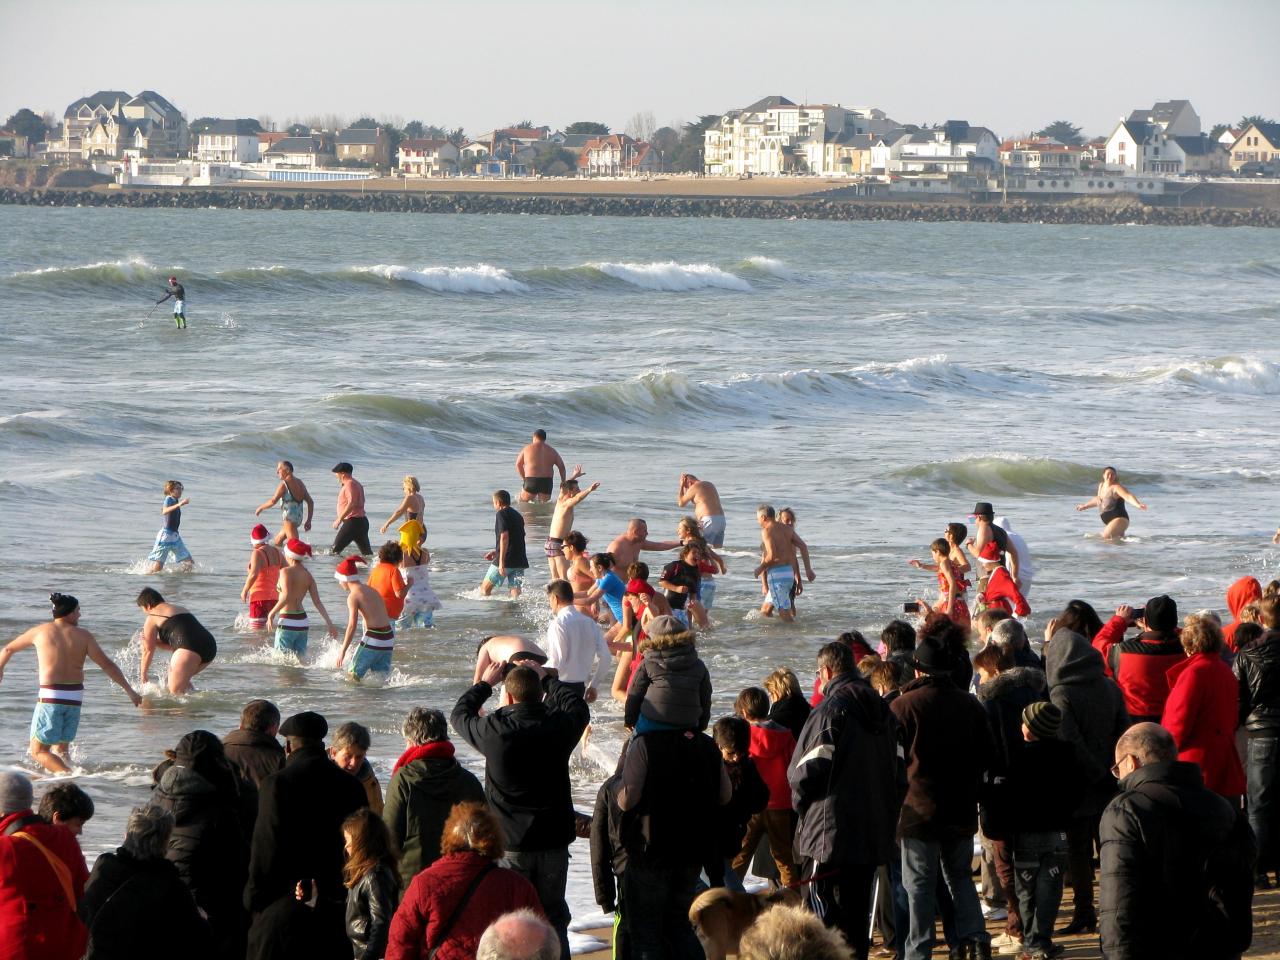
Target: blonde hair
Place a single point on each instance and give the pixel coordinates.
(782, 683)
(792, 933)
(1200, 634)
(410, 483)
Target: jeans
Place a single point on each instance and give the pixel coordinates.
(1262, 758)
(842, 900)
(548, 871)
(353, 530)
(657, 901)
(1081, 836)
(921, 861)
(1038, 860)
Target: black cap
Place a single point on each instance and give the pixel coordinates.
(63, 604)
(308, 725)
(982, 509)
(343, 467)
(929, 657)
(1161, 614)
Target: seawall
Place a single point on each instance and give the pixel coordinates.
(1085, 212)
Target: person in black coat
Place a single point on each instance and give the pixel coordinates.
(750, 795)
(1257, 668)
(208, 846)
(154, 915)
(788, 707)
(298, 838)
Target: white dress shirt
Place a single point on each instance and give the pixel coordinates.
(574, 640)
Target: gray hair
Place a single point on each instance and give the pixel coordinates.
(1149, 742)
(147, 835)
(424, 726)
(520, 935)
(1009, 634)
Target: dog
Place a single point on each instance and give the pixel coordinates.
(721, 916)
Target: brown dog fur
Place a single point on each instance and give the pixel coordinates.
(721, 916)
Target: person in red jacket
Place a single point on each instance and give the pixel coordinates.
(1140, 665)
(1240, 594)
(465, 885)
(771, 748)
(1203, 709)
(42, 878)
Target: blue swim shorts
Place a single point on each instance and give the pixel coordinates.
(780, 580)
(291, 633)
(291, 510)
(513, 579)
(169, 543)
(366, 659)
(712, 530)
(707, 591)
(421, 618)
(54, 723)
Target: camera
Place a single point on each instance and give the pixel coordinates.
(911, 606)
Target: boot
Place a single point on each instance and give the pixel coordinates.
(980, 950)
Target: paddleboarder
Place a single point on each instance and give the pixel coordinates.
(179, 294)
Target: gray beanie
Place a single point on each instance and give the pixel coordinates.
(15, 793)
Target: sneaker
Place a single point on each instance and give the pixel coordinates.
(1007, 944)
(994, 913)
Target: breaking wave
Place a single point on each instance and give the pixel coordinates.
(1007, 475)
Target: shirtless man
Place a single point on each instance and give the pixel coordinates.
(706, 507)
(562, 523)
(379, 640)
(292, 495)
(506, 648)
(537, 464)
(287, 619)
(779, 567)
(626, 547)
(991, 545)
(61, 648)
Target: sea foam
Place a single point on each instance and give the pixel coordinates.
(672, 277)
(481, 278)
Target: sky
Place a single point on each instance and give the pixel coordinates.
(1011, 66)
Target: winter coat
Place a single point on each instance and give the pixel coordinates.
(791, 712)
(1167, 843)
(1140, 665)
(37, 922)
(1202, 713)
(298, 835)
(209, 849)
(1241, 593)
(372, 789)
(847, 782)
(750, 796)
(422, 791)
(370, 906)
(608, 846)
(1004, 697)
(1093, 713)
(256, 754)
(671, 685)
(1257, 668)
(437, 891)
(1044, 787)
(153, 916)
(948, 747)
(771, 750)
(526, 747)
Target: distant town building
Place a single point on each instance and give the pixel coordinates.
(227, 141)
(366, 145)
(1257, 143)
(305, 153)
(1165, 140)
(1043, 154)
(13, 144)
(1174, 117)
(954, 147)
(617, 155)
(427, 158)
(110, 123)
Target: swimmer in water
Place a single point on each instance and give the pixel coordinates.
(170, 627)
(287, 619)
(259, 590)
(292, 496)
(412, 507)
(562, 523)
(62, 646)
(1110, 500)
(373, 653)
(536, 464)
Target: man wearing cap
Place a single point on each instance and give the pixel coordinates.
(61, 648)
(288, 618)
(179, 294)
(562, 522)
(297, 838)
(352, 525)
(948, 748)
(259, 590)
(1140, 664)
(42, 878)
(991, 547)
(365, 603)
(576, 648)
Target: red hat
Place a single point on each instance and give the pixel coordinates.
(173, 279)
(259, 534)
(347, 571)
(640, 586)
(295, 549)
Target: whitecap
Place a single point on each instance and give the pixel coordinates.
(672, 277)
(481, 278)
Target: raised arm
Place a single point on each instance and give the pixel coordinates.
(176, 506)
(684, 496)
(111, 669)
(581, 495)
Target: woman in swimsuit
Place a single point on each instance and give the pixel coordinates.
(951, 583)
(1110, 500)
(171, 627)
(292, 496)
(412, 506)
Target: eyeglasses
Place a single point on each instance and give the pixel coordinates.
(1115, 767)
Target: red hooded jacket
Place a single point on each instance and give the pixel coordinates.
(771, 748)
(1202, 713)
(1244, 591)
(37, 922)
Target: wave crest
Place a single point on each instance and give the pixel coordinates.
(1005, 475)
(672, 277)
(481, 278)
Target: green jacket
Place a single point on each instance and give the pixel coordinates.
(422, 792)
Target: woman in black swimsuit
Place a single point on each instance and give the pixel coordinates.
(174, 628)
(1110, 500)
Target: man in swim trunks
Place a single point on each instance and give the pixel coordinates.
(259, 590)
(980, 545)
(179, 294)
(562, 523)
(779, 568)
(508, 560)
(287, 618)
(379, 640)
(61, 648)
(706, 507)
(170, 627)
(292, 495)
(626, 547)
(352, 525)
(536, 464)
(506, 648)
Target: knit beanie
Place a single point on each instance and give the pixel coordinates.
(1043, 719)
(15, 793)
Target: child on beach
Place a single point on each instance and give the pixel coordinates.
(385, 578)
(168, 541)
(771, 747)
(372, 880)
(787, 517)
(420, 602)
(750, 795)
(671, 688)
(710, 563)
(680, 578)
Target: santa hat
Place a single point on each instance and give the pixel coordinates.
(259, 534)
(296, 550)
(347, 571)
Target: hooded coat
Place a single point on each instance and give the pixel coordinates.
(1241, 593)
(155, 918)
(1004, 697)
(256, 754)
(671, 685)
(1093, 712)
(1202, 713)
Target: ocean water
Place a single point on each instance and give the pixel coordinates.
(878, 378)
